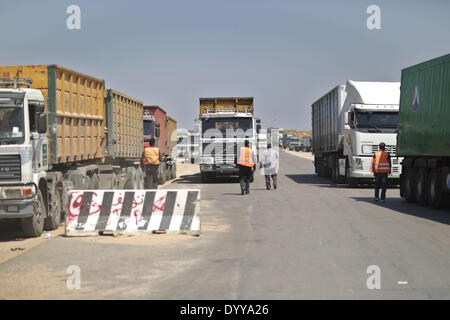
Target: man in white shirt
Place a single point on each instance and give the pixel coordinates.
(269, 162)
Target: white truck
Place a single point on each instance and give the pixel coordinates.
(348, 123)
(80, 147)
(225, 123)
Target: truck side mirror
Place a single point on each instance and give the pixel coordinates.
(42, 123)
(258, 128)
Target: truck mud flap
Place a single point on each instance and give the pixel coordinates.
(92, 212)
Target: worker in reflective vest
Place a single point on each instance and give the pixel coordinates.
(246, 164)
(151, 158)
(381, 167)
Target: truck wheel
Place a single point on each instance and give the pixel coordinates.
(94, 183)
(436, 196)
(53, 220)
(33, 226)
(162, 175)
(351, 182)
(420, 184)
(173, 171)
(140, 178)
(407, 184)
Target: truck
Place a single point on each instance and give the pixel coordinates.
(424, 133)
(159, 126)
(294, 143)
(306, 143)
(348, 123)
(61, 130)
(286, 138)
(224, 124)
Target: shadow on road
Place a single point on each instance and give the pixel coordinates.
(412, 209)
(327, 182)
(196, 179)
(10, 230)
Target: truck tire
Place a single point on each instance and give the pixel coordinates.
(33, 226)
(94, 183)
(435, 193)
(140, 178)
(162, 174)
(407, 184)
(420, 186)
(53, 220)
(351, 182)
(173, 171)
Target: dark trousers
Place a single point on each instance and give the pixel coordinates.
(274, 179)
(380, 182)
(151, 176)
(245, 175)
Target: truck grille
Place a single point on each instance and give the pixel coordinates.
(10, 168)
(390, 149)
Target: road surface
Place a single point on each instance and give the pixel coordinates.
(309, 239)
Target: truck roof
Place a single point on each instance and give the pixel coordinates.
(366, 92)
(30, 93)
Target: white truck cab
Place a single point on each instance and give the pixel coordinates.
(23, 152)
(370, 117)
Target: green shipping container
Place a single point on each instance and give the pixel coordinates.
(424, 121)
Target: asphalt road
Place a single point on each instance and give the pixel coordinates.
(309, 239)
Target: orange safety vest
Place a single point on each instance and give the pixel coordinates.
(246, 157)
(380, 162)
(151, 155)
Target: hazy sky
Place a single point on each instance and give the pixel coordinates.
(286, 54)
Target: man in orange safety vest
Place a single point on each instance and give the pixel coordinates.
(381, 167)
(151, 158)
(246, 162)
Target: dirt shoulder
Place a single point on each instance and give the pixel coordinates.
(301, 154)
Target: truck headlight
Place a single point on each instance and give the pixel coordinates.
(358, 163)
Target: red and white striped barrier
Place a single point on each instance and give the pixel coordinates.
(133, 211)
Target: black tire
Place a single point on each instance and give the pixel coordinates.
(162, 174)
(435, 193)
(351, 182)
(34, 226)
(407, 184)
(174, 171)
(420, 186)
(53, 220)
(94, 183)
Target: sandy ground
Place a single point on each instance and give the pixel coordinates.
(301, 154)
(13, 244)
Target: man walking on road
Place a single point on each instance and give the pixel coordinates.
(381, 167)
(269, 161)
(246, 164)
(151, 158)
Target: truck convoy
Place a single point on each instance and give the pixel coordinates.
(424, 133)
(348, 123)
(306, 143)
(225, 123)
(63, 131)
(163, 129)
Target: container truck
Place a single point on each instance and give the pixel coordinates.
(286, 138)
(55, 136)
(348, 123)
(162, 128)
(306, 144)
(294, 143)
(424, 132)
(225, 123)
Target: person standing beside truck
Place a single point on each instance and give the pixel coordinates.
(246, 164)
(151, 158)
(381, 167)
(269, 161)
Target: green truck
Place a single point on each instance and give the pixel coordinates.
(424, 133)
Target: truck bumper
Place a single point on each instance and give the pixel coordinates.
(219, 168)
(16, 209)
(361, 168)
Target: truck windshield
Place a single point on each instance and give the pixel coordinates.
(227, 126)
(11, 124)
(148, 128)
(376, 120)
